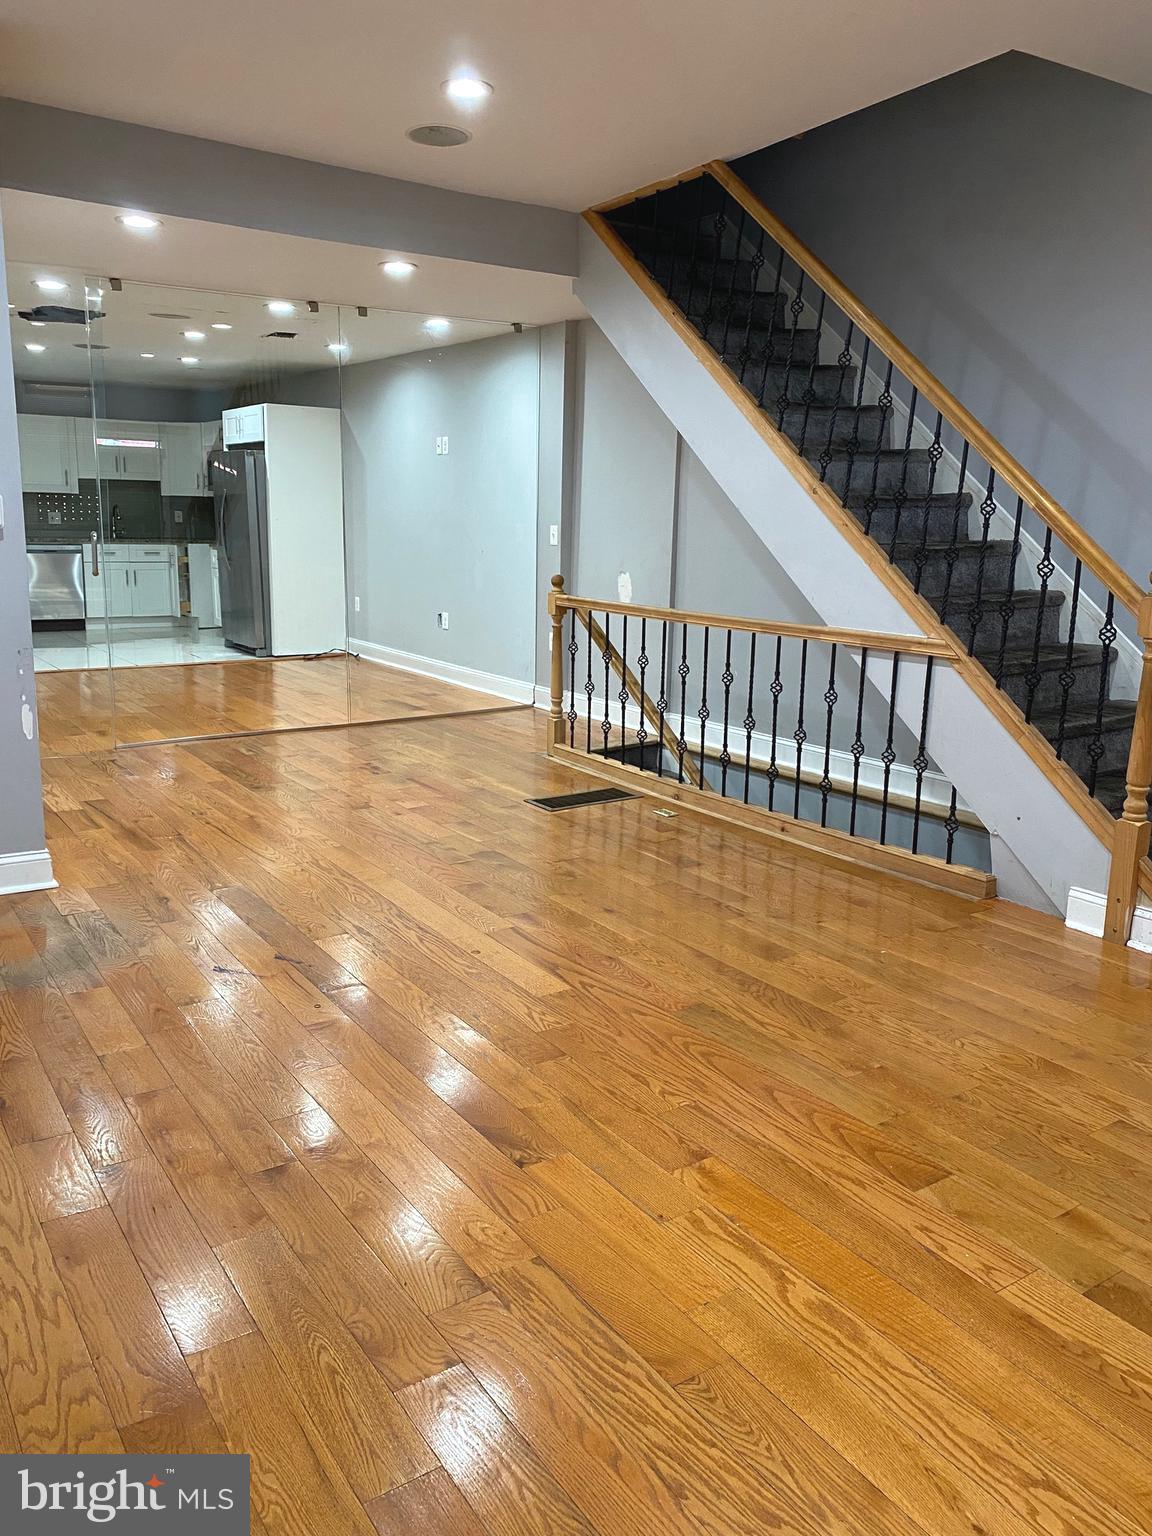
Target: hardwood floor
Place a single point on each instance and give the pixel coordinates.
(484, 1171)
(92, 710)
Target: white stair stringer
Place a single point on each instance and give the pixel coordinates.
(1041, 846)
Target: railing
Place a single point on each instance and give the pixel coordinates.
(1049, 615)
(793, 729)
(1132, 830)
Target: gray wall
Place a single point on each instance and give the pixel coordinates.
(21, 813)
(100, 160)
(457, 533)
(999, 222)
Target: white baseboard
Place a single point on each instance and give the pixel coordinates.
(31, 871)
(445, 671)
(1086, 914)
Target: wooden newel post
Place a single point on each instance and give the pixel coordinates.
(556, 695)
(1130, 843)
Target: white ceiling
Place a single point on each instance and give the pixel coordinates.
(591, 99)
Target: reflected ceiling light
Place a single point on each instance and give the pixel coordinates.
(192, 335)
(221, 325)
(38, 322)
(398, 268)
(339, 347)
(190, 362)
(51, 284)
(147, 354)
(280, 307)
(141, 223)
(467, 88)
(437, 324)
(34, 346)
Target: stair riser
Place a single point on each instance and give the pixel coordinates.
(761, 343)
(966, 576)
(698, 301)
(941, 518)
(815, 426)
(885, 478)
(1082, 695)
(1115, 744)
(990, 628)
(766, 379)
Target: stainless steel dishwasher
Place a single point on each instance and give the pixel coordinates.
(56, 586)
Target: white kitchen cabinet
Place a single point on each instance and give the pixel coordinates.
(129, 450)
(137, 581)
(182, 459)
(204, 585)
(151, 590)
(210, 434)
(109, 594)
(84, 431)
(47, 453)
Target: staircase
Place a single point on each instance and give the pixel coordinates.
(1039, 613)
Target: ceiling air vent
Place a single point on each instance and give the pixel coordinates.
(279, 336)
(59, 314)
(438, 136)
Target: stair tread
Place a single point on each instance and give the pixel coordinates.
(1048, 657)
(1082, 722)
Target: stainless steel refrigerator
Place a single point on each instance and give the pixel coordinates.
(240, 492)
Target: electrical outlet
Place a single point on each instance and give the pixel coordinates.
(442, 620)
(356, 604)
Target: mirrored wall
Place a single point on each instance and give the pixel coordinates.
(254, 512)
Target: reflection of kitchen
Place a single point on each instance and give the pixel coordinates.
(129, 526)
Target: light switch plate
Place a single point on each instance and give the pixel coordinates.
(444, 449)
(554, 534)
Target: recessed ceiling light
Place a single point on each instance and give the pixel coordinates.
(142, 223)
(190, 362)
(147, 354)
(437, 323)
(280, 307)
(192, 335)
(467, 88)
(398, 268)
(34, 346)
(38, 322)
(438, 136)
(51, 285)
(221, 325)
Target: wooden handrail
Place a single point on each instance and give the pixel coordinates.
(558, 604)
(1061, 522)
(907, 645)
(1133, 830)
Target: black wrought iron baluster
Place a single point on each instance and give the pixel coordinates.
(800, 735)
(770, 345)
(884, 402)
(830, 697)
(857, 747)
(727, 678)
(704, 713)
(854, 441)
(900, 495)
(952, 553)
(920, 761)
(844, 362)
(683, 671)
(642, 665)
(776, 688)
(606, 723)
(732, 284)
(662, 697)
(1033, 677)
(935, 454)
(1008, 606)
(951, 827)
(573, 652)
(623, 695)
(749, 717)
(1067, 676)
(695, 245)
(589, 685)
(681, 237)
(795, 309)
(1107, 646)
(987, 513)
(657, 263)
(808, 394)
(744, 355)
(888, 756)
(719, 226)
